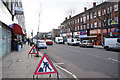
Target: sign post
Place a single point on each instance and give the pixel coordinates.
(45, 66)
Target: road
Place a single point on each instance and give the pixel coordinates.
(84, 62)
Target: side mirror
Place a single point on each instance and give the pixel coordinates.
(118, 40)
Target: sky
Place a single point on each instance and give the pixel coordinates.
(52, 13)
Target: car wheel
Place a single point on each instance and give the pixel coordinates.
(107, 48)
(45, 47)
(85, 46)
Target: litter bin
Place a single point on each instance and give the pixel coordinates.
(19, 47)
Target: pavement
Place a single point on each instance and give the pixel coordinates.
(17, 64)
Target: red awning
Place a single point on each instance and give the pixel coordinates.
(17, 29)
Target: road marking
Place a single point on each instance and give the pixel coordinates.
(58, 63)
(113, 60)
(67, 72)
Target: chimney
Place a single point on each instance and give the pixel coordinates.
(94, 4)
(65, 18)
(85, 9)
(69, 16)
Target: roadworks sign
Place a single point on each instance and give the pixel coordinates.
(45, 66)
(33, 50)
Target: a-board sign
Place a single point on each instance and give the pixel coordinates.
(33, 50)
(45, 66)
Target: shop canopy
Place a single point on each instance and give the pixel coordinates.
(17, 29)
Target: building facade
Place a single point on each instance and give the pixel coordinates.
(55, 33)
(95, 24)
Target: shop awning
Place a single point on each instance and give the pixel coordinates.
(17, 29)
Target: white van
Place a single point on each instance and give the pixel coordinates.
(112, 43)
(73, 41)
(59, 40)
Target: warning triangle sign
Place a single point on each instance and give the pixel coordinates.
(45, 66)
(33, 50)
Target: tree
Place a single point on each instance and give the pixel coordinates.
(69, 22)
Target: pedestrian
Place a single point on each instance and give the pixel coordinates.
(28, 41)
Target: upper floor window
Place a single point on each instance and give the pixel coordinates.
(81, 19)
(95, 25)
(91, 25)
(99, 23)
(99, 14)
(91, 16)
(81, 27)
(109, 21)
(75, 28)
(104, 12)
(88, 17)
(116, 7)
(116, 20)
(109, 9)
(95, 14)
(78, 27)
(78, 20)
(84, 26)
(87, 26)
(75, 21)
(84, 19)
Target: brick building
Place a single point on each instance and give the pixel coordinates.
(95, 23)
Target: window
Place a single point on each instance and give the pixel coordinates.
(116, 20)
(99, 23)
(84, 19)
(78, 20)
(91, 25)
(78, 27)
(109, 21)
(69, 29)
(95, 25)
(104, 23)
(81, 19)
(104, 12)
(84, 26)
(87, 26)
(109, 9)
(75, 28)
(99, 14)
(81, 27)
(88, 17)
(116, 7)
(73, 22)
(95, 14)
(91, 16)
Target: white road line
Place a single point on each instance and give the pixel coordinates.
(58, 63)
(113, 60)
(67, 72)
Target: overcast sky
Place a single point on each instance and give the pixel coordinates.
(52, 13)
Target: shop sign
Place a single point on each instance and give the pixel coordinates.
(18, 10)
(68, 34)
(83, 32)
(76, 33)
(112, 30)
(96, 31)
(63, 35)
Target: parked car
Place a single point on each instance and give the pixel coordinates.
(59, 40)
(86, 43)
(112, 43)
(49, 42)
(41, 44)
(73, 41)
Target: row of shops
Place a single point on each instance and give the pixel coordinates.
(96, 36)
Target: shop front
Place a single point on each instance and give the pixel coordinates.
(17, 36)
(101, 34)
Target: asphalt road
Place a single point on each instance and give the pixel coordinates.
(85, 62)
